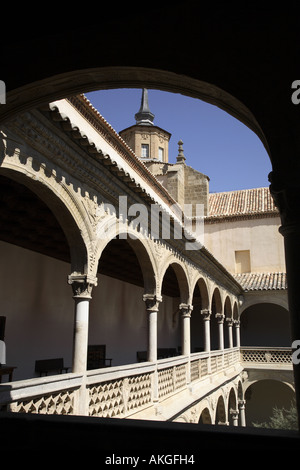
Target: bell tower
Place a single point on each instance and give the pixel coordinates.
(148, 141)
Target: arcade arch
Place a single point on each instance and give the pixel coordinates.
(119, 321)
(200, 302)
(217, 316)
(40, 242)
(205, 417)
(263, 396)
(220, 416)
(174, 310)
(232, 410)
(265, 324)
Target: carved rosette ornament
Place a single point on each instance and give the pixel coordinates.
(82, 285)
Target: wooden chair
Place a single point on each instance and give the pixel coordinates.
(44, 366)
(96, 358)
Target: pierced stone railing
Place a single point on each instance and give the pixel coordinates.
(45, 395)
(115, 391)
(120, 392)
(266, 356)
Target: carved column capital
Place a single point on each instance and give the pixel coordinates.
(220, 317)
(152, 302)
(82, 285)
(206, 314)
(185, 310)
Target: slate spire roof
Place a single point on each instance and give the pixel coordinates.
(144, 117)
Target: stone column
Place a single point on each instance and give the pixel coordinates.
(220, 318)
(206, 318)
(82, 286)
(235, 417)
(229, 324)
(152, 305)
(185, 311)
(237, 332)
(242, 404)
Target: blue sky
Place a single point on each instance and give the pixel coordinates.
(214, 142)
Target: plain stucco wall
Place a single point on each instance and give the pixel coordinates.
(260, 236)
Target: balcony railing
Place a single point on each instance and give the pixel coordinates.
(115, 391)
(125, 390)
(266, 357)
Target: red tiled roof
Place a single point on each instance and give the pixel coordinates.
(261, 281)
(244, 202)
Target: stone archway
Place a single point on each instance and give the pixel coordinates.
(232, 411)
(205, 417)
(36, 254)
(216, 313)
(221, 417)
(263, 396)
(265, 324)
(117, 314)
(175, 310)
(200, 301)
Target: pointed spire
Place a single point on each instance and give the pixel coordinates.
(180, 156)
(144, 116)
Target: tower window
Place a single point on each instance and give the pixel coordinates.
(160, 154)
(145, 150)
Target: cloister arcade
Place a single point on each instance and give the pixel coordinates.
(137, 295)
(128, 267)
(231, 71)
(226, 406)
(133, 293)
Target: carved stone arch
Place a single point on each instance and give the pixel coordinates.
(139, 244)
(240, 392)
(232, 406)
(228, 308)
(72, 82)
(181, 275)
(62, 203)
(232, 397)
(205, 412)
(216, 300)
(235, 311)
(201, 283)
(205, 416)
(220, 411)
(216, 308)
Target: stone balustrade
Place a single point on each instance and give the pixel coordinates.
(123, 391)
(266, 357)
(116, 391)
